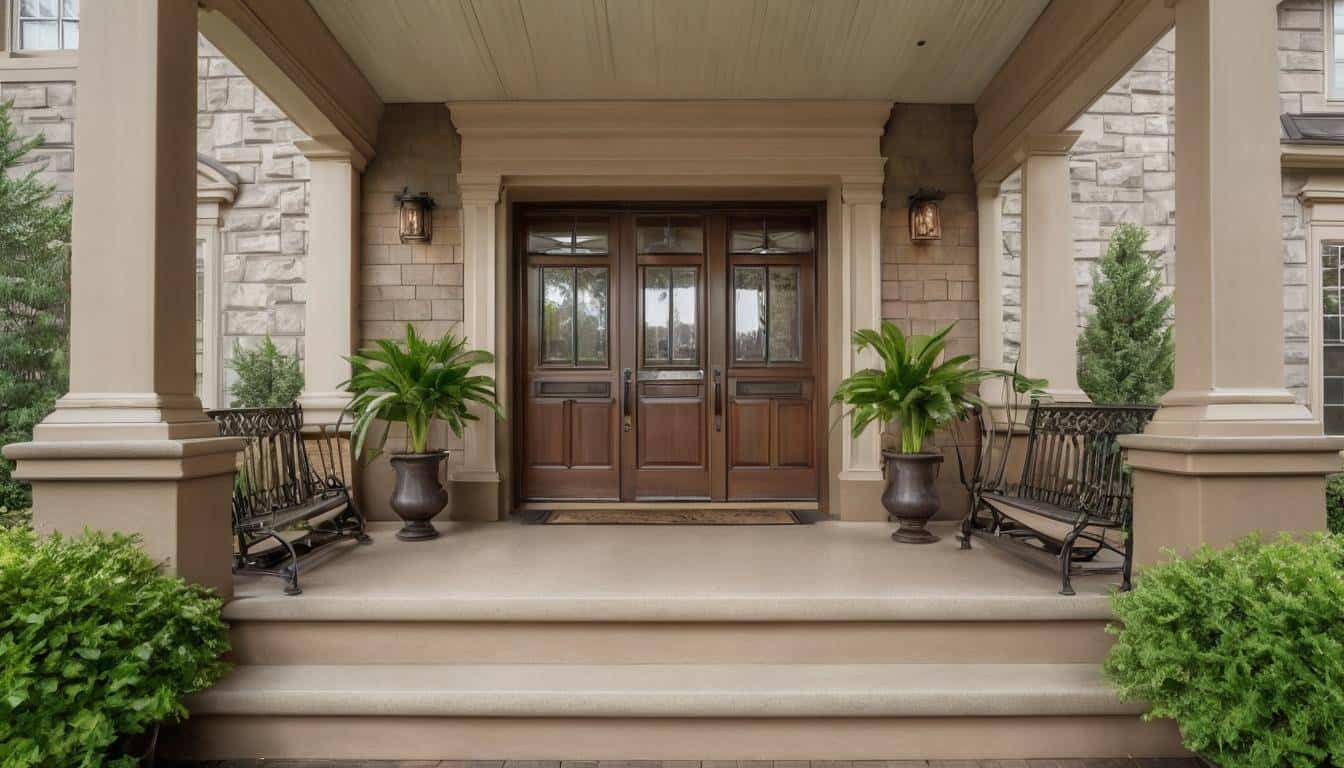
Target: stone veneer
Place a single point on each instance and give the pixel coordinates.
(265, 231)
(927, 285)
(1123, 170)
(48, 109)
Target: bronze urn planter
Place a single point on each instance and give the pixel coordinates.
(911, 495)
(418, 495)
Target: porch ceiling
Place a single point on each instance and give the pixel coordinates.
(456, 50)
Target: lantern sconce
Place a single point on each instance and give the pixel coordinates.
(925, 220)
(416, 222)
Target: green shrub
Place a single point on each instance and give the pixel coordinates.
(1243, 648)
(267, 377)
(95, 645)
(1334, 503)
(15, 518)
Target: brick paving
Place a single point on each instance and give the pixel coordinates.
(1038, 763)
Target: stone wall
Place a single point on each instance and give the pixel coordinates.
(925, 286)
(265, 231)
(48, 109)
(1122, 169)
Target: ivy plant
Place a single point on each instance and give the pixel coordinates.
(1243, 648)
(96, 645)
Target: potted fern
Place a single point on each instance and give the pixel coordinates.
(921, 393)
(413, 383)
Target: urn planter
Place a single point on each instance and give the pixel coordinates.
(911, 495)
(418, 495)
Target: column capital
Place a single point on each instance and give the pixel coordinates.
(479, 188)
(1038, 144)
(858, 191)
(332, 150)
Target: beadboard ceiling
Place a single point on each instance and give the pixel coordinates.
(458, 50)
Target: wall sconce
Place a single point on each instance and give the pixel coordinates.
(925, 221)
(416, 224)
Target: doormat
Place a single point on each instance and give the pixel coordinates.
(673, 517)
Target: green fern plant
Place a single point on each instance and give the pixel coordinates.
(413, 383)
(913, 388)
(1243, 648)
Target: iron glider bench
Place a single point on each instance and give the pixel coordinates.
(290, 478)
(1073, 499)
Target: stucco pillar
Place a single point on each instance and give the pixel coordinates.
(478, 478)
(989, 210)
(1049, 306)
(329, 329)
(129, 448)
(1230, 450)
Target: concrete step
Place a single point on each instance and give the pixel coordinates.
(665, 711)
(345, 642)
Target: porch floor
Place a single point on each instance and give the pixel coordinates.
(831, 571)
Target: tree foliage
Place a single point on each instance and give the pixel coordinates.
(1125, 354)
(34, 297)
(267, 377)
(1243, 648)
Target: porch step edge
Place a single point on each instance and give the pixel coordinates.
(653, 608)
(665, 691)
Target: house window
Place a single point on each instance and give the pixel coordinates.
(46, 25)
(1332, 339)
(1336, 49)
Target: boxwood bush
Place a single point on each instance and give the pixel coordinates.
(1243, 648)
(95, 645)
(1334, 503)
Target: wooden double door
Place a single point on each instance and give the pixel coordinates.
(668, 354)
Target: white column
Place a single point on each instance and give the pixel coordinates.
(861, 307)
(1229, 451)
(330, 273)
(480, 198)
(129, 448)
(989, 209)
(1049, 303)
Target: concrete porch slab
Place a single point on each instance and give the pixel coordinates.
(834, 571)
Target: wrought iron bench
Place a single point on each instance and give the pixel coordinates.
(1073, 498)
(289, 476)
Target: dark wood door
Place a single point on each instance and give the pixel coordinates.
(668, 354)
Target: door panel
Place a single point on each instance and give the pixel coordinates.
(668, 354)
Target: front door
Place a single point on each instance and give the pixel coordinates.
(668, 354)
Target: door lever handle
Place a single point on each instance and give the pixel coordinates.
(627, 419)
(718, 400)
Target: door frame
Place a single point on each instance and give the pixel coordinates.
(517, 306)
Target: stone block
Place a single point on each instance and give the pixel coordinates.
(288, 318)
(1290, 18)
(1154, 181)
(378, 310)
(237, 154)
(1120, 171)
(447, 274)
(1148, 82)
(247, 323)
(412, 309)
(263, 242)
(293, 243)
(241, 94)
(1158, 162)
(271, 270)
(1302, 61)
(24, 96)
(1144, 145)
(1147, 103)
(216, 95)
(60, 94)
(247, 296)
(413, 274)
(1299, 82)
(233, 267)
(293, 201)
(222, 67)
(382, 275)
(257, 197)
(1123, 123)
(227, 129)
(1111, 103)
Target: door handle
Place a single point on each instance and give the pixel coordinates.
(627, 420)
(718, 400)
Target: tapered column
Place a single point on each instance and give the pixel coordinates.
(480, 198)
(332, 264)
(1049, 304)
(129, 448)
(861, 307)
(989, 208)
(1230, 450)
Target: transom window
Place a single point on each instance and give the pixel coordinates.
(46, 25)
(1332, 338)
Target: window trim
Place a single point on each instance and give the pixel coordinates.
(11, 30)
(1334, 92)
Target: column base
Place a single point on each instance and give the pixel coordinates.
(1233, 413)
(1214, 490)
(325, 408)
(175, 494)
